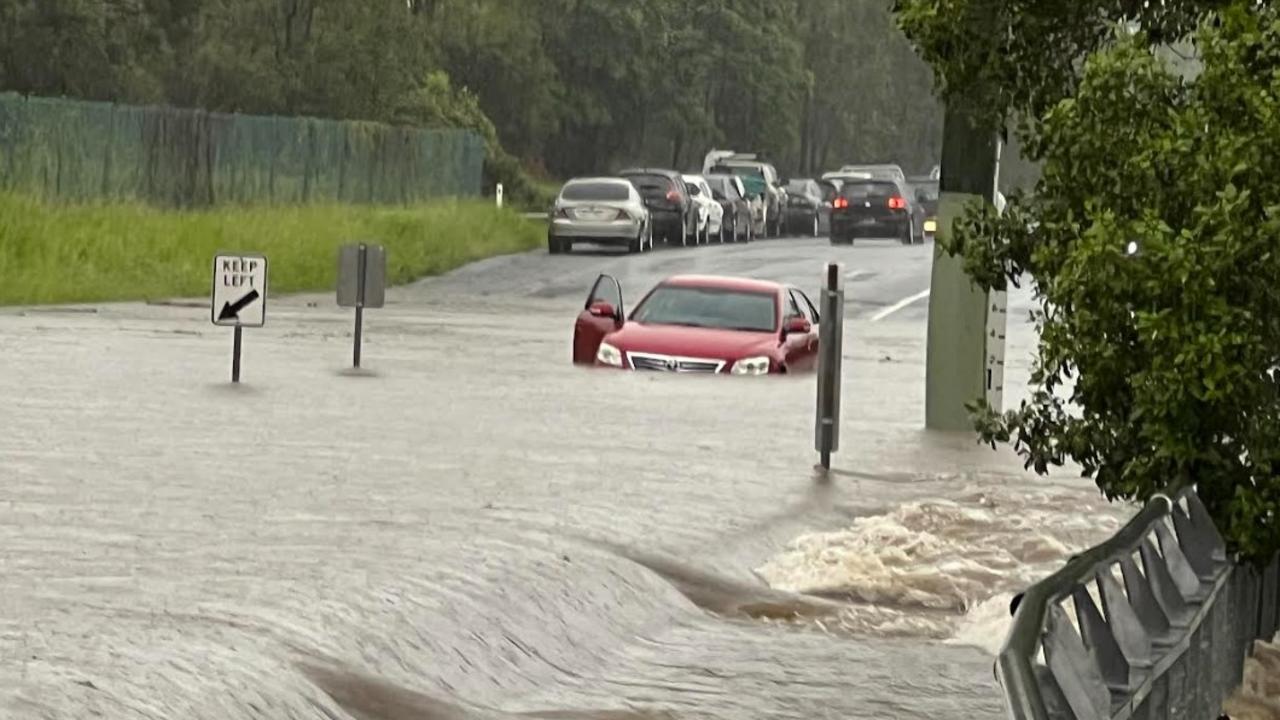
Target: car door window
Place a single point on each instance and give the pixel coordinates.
(801, 307)
(606, 290)
(808, 305)
(793, 309)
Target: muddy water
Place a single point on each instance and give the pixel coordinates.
(940, 568)
(472, 529)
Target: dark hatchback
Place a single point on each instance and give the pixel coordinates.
(671, 207)
(728, 191)
(805, 206)
(875, 209)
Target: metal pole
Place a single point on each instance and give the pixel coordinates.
(360, 270)
(830, 352)
(235, 355)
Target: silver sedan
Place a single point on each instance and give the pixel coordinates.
(600, 211)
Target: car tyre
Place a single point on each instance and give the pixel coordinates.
(815, 225)
(910, 234)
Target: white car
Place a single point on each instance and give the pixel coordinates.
(710, 212)
(599, 211)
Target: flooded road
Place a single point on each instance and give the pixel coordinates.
(473, 528)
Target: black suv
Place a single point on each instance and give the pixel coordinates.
(675, 216)
(876, 208)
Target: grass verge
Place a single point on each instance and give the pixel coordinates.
(51, 253)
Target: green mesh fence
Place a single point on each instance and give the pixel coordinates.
(75, 150)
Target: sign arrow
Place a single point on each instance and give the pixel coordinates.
(232, 310)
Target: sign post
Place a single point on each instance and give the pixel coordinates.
(830, 353)
(362, 283)
(239, 297)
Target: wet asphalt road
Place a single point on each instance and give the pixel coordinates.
(879, 273)
(472, 528)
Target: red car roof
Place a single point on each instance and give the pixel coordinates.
(724, 283)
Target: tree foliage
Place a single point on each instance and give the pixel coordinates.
(572, 86)
(1153, 241)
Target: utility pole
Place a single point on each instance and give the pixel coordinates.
(963, 343)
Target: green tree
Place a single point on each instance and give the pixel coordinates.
(1151, 240)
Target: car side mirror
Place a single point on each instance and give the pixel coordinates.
(695, 191)
(604, 310)
(798, 326)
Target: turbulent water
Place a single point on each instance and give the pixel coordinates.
(939, 568)
(471, 528)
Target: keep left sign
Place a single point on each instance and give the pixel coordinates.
(240, 290)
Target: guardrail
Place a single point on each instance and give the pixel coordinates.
(1176, 623)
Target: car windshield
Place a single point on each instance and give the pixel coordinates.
(752, 178)
(709, 308)
(595, 191)
(863, 190)
(722, 187)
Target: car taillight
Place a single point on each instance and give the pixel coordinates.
(622, 215)
(840, 203)
(673, 196)
(897, 203)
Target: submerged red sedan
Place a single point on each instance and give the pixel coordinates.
(699, 324)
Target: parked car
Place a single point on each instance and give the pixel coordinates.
(830, 189)
(599, 210)
(699, 324)
(674, 213)
(732, 196)
(926, 193)
(875, 208)
(710, 214)
(761, 179)
(805, 206)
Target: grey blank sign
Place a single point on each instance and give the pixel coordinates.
(375, 276)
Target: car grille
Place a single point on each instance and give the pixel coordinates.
(669, 363)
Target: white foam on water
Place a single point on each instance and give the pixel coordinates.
(986, 626)
(943, 568)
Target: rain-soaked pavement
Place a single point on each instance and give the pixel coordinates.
(473, 528)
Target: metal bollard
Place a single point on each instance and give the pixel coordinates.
(830, 352)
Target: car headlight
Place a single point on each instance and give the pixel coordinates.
(609, 355)
(930, 226)
(752, 366)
